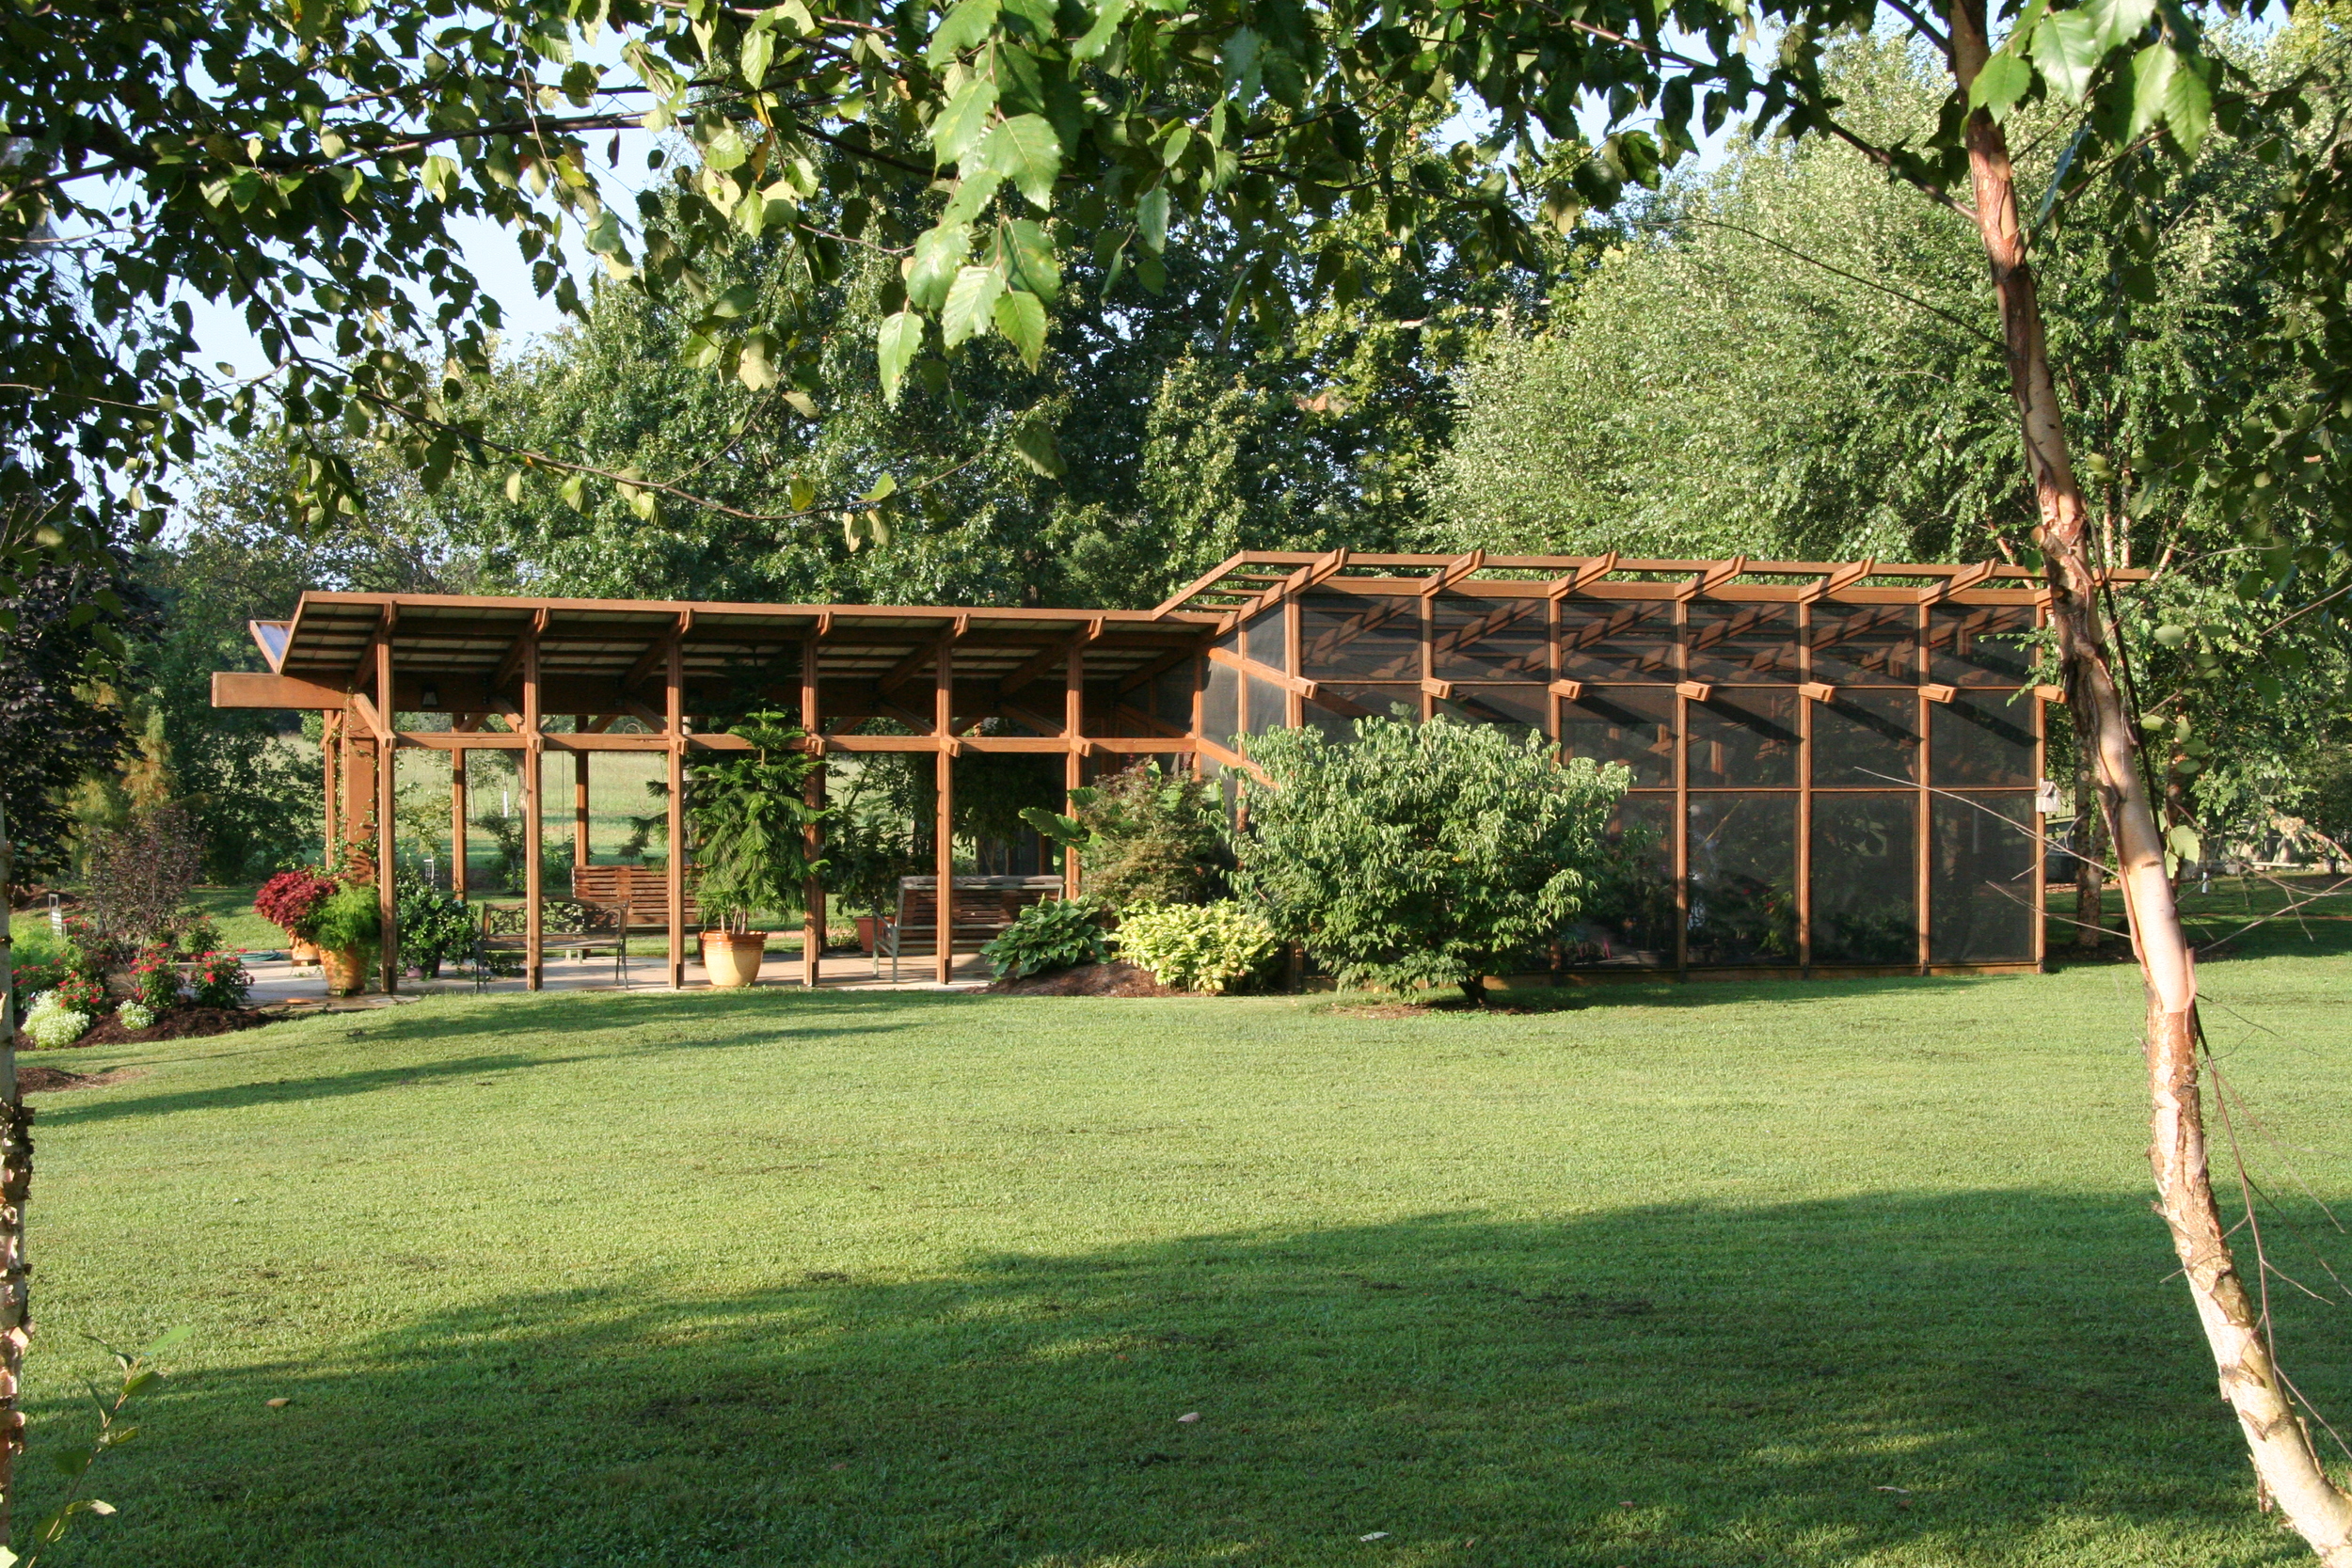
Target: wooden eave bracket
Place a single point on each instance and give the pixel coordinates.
(1454, 571)
(1713, 577)
(1570, 689)
(1959, 582)
(514, 660)
(2050, 693)
(1935, 693)
(1841, 580)
(1249, 665)
(1592, 571)
(365, 665)
(1698, 691)
(652, 656)
(1819, 692)
(1443, 691)
(369, 717)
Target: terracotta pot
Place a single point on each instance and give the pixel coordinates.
(302, 951)
(346, 971)
(731, 959)
(868, 930)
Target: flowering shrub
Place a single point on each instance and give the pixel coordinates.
(1207, 947)
(153, 981)
(218, 980)
(80, 993)
(89, 951)
(135, 1015)
(31, 979)
(291, 901)
(52, 1024)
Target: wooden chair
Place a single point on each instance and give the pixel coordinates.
(566, 926)
(982, 908)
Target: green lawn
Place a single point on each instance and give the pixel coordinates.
(1691, 1276)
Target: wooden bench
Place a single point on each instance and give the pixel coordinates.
(566, 926)
(982, 908)
(641, 892)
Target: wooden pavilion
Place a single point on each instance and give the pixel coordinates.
(1837, 767)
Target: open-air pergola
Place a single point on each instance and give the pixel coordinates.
(1835, 766)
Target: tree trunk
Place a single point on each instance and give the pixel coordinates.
(2281, 1448)
(2091, 869)
(16, 1180)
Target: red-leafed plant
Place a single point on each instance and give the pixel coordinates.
(291, 901)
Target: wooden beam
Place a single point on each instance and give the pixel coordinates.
(1714, 576)
(1443, 691)
(650, 660)
(813, 841)
(1589, 572)
(1698, 691)
(1818, 692)
(522, 647)
(1572, 691)
(1034, 666)
(1966, 579)
(1282, 679)
(1454, 571)
(369, 717)
(906, 669)
(944, 856)
(239, 689)
(1839, 579)
(1158, 667)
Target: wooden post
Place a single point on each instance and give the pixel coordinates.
(330, 762)
(534, 818)
(457, 824)
(358, 790)
(1073, 764)
(674, 723)
(1923, 863)
(943, 693)
(579, 806)
(813, 892)
(16, 1182)
(387, 794)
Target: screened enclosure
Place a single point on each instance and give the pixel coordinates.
(1832, 769)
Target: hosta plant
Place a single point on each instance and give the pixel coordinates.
(1209, 947)
(1059, 933)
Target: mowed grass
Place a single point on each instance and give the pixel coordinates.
(1830, 1273)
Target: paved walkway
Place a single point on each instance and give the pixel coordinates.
(277, 982)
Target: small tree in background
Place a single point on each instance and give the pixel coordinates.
(140, 874)
(1421, 854)
(750, 823)
(1143, 838)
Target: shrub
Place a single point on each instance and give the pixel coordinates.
(1421, 854)
(135, 1015)
(1059, 933)
(52, 1025)
(139, 874)
(30, 980)
(1143, 838)
(291, 901)
(435, 926)
(750, 824)
(347, 919)
(153, 980)
(218, 980)
(1209, 947)
(81, 993)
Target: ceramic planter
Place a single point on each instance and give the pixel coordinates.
(346, 971)
(868, 930)
(732, 959)
(302, 951)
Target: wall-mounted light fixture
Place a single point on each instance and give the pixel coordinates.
(430, 697)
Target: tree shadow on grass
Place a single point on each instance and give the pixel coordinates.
(1917, 1379)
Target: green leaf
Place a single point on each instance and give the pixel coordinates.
(2000, 85)
(759, 50)
(1025, 151)
(440, 176)
(725, 150)
(960, 123)
(1021, 317)
(757, 369)
(1151, 218)
(575, 491)
(515, 488)
(2118, 20)
(2169, 86)
(2066, 51)
(2171, 637)
(1033, 260)
(896, 344)
(885, 486)
(971, 301)
(966, 26)
(802, 404)
(938, 252)
(973, 194)
(1097, 37)
(1033, 442)
(737, 301)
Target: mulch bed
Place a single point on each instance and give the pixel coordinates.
(34, 1078)
(178, 1023)
(1116, 978)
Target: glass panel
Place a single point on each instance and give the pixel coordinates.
(1601, 641)
(1865, 874)
(1634, 726)
(1742, 643)
(1867, 739)
(1981, 743)
(1171, 696)
(1629, 920)
(1743, 879)
(1270, 706)
(1487, 640)
(1220, 704)
(1370, 637)
(1524, 704)
(1267, 639)
(1744, 738)
(1866, 644)
(1975, 644)
(1980, 879)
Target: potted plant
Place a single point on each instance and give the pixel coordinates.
(347, 926)
(864, 861)
(290, 901)
(751, 830)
